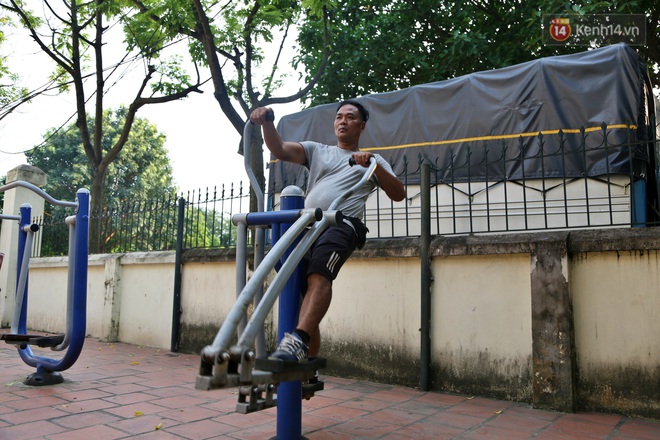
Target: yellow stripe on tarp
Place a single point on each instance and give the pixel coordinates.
(498, 137)
(495, 137)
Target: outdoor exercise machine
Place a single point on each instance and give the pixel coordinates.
(73, 339)
(264, 382)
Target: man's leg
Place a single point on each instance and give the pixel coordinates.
(329, 253)
(295, 345)
(314, 307)
(315, 343)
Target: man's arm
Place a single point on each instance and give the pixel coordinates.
(390, 184)
(286, 151)
(388, 181)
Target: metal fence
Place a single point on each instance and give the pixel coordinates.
(151, 225)
(472, 206)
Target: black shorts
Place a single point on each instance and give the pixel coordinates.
(331, 250)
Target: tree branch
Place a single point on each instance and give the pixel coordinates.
(220, 88)
(324, 62)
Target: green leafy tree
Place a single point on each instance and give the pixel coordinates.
(11, 92)
(142, 171)
(74, 35)
(140, 208)
(209, 229)
(140, 176)
(386, 45)
(231, 38)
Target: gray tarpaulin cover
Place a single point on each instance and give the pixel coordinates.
(491, 120)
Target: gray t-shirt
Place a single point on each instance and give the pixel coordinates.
(330, 176)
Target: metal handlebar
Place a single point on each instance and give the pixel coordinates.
(39, 191)
(367, 175)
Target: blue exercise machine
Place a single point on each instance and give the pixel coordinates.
(264, 382)
(71, 342)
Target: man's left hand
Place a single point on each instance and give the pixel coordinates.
(362, 158)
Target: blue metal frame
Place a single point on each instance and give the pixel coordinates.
(77, 292)
(289, 394)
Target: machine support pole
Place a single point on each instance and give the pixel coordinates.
(425, 350)
(289, 394)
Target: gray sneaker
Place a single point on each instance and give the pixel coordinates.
(291, 349)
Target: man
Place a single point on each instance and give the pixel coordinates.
(329, 177)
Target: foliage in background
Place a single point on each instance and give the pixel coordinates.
(386, 45)
(151, 225)
(74, 37)
(10, 89)
(233, 39)
(139, 212)
(142, 170)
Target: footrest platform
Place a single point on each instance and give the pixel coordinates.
(308, 389)
(280, 366)
(38, 340)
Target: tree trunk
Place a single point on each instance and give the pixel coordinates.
(96, 205)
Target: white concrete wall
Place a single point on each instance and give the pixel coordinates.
(481, 332)
(210, 292)
(376, 300)
(482, 309)
(147, 292)
(610, 291)
(479, 302)
(617, 309)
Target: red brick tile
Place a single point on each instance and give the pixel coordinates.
(102, 393)
(455, 420)
(145, 424)
(570, 425)
(80, 395)
(341, 394)
(31, 415)
(261, 432)
(320, 401)
(495, 433)
(126, 399)
(527, 411)
(518, 421)
(179, 401)
(171, 391)
(201, 430)
(424, 430)
(5, 409)
(415, 406)
(311, 423)
(190, 414)
(365, 428)
(366, 404)
(86, 406)
(99, 432)
(328, 434)
(77, 421)
(397, 417)
(440, 399)
(266, 417)
(135, 410)
(338, 413)
(640, 430)
(30, 430)
(123, 389)
(159, 435)
(561, 435)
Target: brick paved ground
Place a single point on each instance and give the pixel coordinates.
(120, 391)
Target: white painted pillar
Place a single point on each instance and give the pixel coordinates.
(14, 198)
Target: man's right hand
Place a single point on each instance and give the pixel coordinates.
(261, 115)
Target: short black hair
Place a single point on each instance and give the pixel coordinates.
(363, 111)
